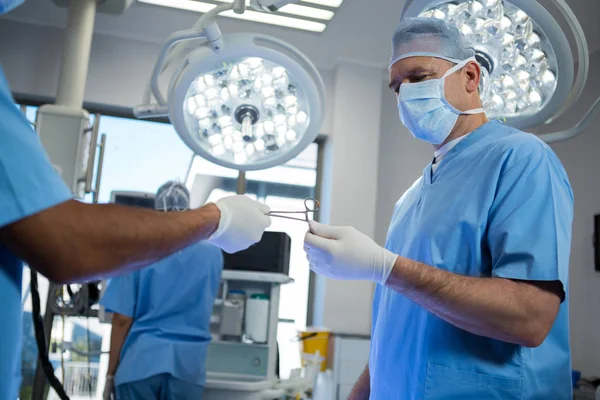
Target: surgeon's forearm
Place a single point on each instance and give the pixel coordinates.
(362, 387)
(75, 241)
(120, 329)
(512, 311)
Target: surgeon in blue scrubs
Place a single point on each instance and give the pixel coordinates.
(472, 285)
(66, 240)
(161, 322)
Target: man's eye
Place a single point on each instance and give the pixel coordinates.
(419, 78)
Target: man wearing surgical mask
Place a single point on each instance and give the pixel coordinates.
(471, 297)
(66, 240)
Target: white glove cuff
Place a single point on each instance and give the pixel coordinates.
(224, 223)
(388, 262)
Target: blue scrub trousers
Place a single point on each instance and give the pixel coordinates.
(159, 387)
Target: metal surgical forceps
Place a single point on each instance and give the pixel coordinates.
(308, 209)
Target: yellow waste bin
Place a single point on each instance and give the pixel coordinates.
(313, 340)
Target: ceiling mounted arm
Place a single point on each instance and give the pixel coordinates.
(578, 129)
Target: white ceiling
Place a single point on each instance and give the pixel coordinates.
(360, 30)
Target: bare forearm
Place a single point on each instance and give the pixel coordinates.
(80, 241)
(362, 387)
(120, 330)
(503, 309)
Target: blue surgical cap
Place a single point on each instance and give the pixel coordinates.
(172, 196)
(429, 37)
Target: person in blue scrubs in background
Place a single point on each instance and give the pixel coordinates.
(471, 298)
(66, 240)
(161, 321)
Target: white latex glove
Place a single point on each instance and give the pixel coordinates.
(345, 253)
(109, 388)
(242, 223)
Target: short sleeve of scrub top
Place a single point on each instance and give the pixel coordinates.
(533, 195)
(121, 294)
(28, 185)
(28, 182)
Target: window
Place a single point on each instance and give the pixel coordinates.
(140, 156)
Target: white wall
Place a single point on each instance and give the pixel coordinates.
(350, 187)
(402, 159)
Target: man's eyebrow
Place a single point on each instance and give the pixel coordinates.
(416, 71)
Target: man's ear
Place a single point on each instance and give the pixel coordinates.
(473, 76)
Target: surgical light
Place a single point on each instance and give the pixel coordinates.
(531, 64)
(244, 101)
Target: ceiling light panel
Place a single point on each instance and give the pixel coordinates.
(308, 16)
(326, 3)
(301, 11)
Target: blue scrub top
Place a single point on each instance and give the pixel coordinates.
(499, 205)
(171, 303)
(28, 185)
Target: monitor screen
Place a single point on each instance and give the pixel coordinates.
(145, 201)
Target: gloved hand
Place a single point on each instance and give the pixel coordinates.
(345, 253)
(242, 223)
(109, 388)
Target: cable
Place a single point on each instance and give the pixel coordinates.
(38, 325)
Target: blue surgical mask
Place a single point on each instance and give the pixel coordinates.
(9, 5)
(425, 111)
